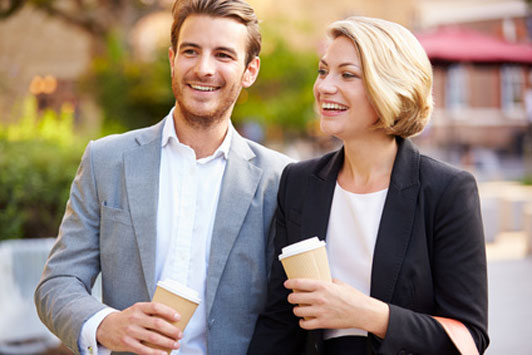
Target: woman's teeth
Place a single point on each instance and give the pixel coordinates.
(331, 106)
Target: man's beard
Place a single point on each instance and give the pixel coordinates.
(207, 119)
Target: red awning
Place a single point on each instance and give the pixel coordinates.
(464, 45)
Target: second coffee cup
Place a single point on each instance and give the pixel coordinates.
(306, 259)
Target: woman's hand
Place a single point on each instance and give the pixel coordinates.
(336, 305)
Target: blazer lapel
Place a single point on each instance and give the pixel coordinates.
(396, 222)
(317, 206)
(315, 218)
(239, 184)
(142, 182)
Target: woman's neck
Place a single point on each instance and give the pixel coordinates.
(368, 164)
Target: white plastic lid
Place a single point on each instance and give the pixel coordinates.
(180, 289)
(302, 246)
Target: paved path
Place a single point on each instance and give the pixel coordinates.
(510, 307)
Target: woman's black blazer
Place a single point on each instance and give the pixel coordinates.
(429, 256)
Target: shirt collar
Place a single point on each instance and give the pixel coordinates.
(170, 134)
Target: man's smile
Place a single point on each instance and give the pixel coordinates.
(203, 87)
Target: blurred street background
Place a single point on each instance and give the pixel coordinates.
(76, 70)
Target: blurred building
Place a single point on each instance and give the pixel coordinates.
(303, 22)
(482, 58)
(42, 56)
(45, 56)
(478, 101)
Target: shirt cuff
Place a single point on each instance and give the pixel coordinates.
(87, 339)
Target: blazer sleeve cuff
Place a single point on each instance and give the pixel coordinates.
(87, 343)
(412, 332)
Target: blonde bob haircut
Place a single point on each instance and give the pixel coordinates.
(396, 72)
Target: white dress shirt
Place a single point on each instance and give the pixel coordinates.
(189, 189)
(351, 236)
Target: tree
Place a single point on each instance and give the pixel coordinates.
(98, 18)
(129, 90)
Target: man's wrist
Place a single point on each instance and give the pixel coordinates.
(88, 343)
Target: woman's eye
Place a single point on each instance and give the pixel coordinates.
(349, 75)
(322, 72)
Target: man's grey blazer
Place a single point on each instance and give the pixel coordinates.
(110, 227)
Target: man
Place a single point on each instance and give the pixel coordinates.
(187, 199)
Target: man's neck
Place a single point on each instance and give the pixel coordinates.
(203, 140)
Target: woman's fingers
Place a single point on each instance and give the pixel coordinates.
(310, 323)
(306, 285)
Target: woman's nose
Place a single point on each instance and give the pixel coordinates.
(326, 85)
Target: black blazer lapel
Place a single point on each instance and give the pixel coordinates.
(317, 203)
(396, 222)
(315, 219)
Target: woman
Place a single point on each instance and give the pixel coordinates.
(403, 231)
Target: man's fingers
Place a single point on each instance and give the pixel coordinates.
(142, 322)
(133, 345)
(131, 342)
(155, 338)
(160, 310)
(163, 327)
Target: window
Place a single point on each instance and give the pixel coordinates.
(512, 84)
(457, 88)
(484, 86)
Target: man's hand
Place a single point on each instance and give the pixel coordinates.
(143, 322)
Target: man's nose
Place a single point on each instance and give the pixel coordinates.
(205, 66)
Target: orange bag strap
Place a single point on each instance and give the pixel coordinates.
(459, 334)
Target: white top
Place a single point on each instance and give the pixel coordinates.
(351, 236)
(188, 197)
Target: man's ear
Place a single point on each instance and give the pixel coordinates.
(171, 56)
(251, 73)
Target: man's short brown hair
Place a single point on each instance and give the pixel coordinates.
(238, 10)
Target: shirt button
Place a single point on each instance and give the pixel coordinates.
(89, 349)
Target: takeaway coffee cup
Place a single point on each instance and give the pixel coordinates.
(178, 296)
(306, 259)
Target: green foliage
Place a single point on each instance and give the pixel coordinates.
(134, 93)
(282, 95)
(38, 160)
(527, 180)
(131, 93)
